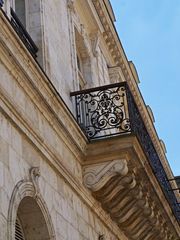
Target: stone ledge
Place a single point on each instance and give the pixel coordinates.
(123, 195)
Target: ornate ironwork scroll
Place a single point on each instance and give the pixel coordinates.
(103, 112)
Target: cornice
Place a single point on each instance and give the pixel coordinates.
(110, 10)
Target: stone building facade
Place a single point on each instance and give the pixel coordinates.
(79, 155)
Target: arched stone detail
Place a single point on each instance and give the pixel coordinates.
(23, 189)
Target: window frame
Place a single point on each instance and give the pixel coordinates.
(13, 5)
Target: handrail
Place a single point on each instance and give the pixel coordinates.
(94, 89)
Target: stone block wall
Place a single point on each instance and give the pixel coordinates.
(37, 130)
(72, 218)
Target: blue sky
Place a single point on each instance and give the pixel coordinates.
(150, 34)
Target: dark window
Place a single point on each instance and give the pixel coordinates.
(20, 10)
(19, 235)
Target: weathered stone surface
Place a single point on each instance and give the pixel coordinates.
(43, 152)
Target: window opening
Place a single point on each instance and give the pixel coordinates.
(20, 10)
(83, 61)
(19, 235)
(80, 72)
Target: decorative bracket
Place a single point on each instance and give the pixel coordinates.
(34, 176)
(97, 175)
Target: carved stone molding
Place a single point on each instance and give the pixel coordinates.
(23, 189)
(34, 177)
(127, 199)
(97, 175)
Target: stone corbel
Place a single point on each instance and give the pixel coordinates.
(95, 176)
(34, 177)
(128, 181)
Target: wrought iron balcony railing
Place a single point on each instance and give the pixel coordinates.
(111, 110)
(23, 34)
(102, 111)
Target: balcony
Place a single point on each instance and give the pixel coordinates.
(103, 112)
(110, 112)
